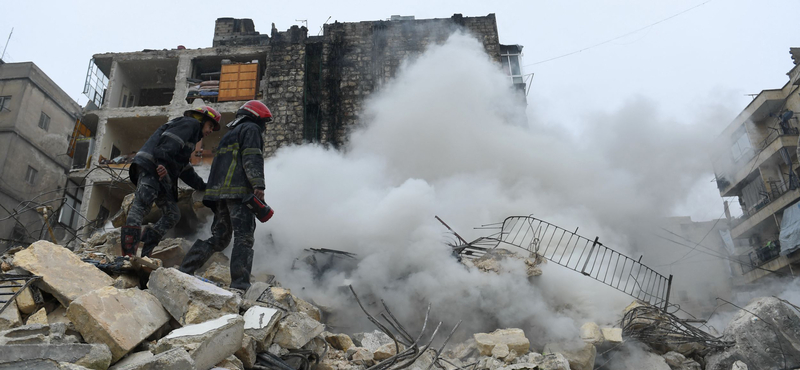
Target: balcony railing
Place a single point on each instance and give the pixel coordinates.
(759, 256)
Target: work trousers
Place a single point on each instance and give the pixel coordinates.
(150, 190)
(230, 217)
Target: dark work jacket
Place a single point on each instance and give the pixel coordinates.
(238, 166)
(171, 145)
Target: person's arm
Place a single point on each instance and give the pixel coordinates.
(253, 158)
(191, 178)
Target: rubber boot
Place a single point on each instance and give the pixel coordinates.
(200, 252)
(150, 239)
(241, 265)
(130, 236)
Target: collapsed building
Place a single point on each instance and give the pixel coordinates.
(314, 85)
(755, 162)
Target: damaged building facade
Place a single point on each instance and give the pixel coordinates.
(756, 162)
(36, 117)
(314, 85)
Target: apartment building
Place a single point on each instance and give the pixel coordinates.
(756, 163)
(314, 85)
(36, 119)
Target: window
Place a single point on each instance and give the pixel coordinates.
(70, 210)
(44, 122)
(741, 146)
(5, 101)
(30, 176)
(512, 67)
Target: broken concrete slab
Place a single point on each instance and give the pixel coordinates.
(209, 342)
(56, 333)
(218, 273)
(10, 317)
(230, 363)
(174, 359)
(591, 333)
(612, 335)
(514, 338)
(190, 300)
(260, 323)
(118, 318)
(247, 354)
(40, 317)
(93, 356)
(63, 273)
(297, 329)
(342, 342)
(171, 251)
(41, 364)
(580, 356)
(372, 340)
(59, 315)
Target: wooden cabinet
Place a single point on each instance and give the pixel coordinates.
(238, 82)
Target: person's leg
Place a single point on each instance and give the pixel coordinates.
(170, 215)
(202, 250)
(244, 225)
(143, 198)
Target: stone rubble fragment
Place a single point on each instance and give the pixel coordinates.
(342, 342)
(580, 356)
(513, 338)
(171, 251)
(249, 350)
(677, 361)
(190, 300)
(218, 273)
(10, 317)
(297, 329)
(56, 333)
(230, 363)
(92, 356)
(362, 356)
(260, 323)
(387, 350)
(126, 282)
(591, 333)
(277, 297)
(174, 359)
(500, 351)
(39, 317)
(25, 302)
(372, 340)
(209, 342)
(612, 335)
(739, 365)
(63, 273)
(120, 319)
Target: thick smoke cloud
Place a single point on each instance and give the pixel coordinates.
(447, 138)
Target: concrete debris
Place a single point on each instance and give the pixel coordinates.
(247, 354)
(39, 317)
(63, 273)
(230, 363)
(297, 329)
(612, 335)
(342, 342)
(126, 282)
(500, 351)
(208, 343)
(677, 361)
(283, 299)
(10, 317)
(591, 333)
(372, 341)
(738, 365)
(121, 216)
(92, 356)
(218, 273)
(104, 243)
(260, 323)
(190, 300)
(513, 338)
(57, 333)
(361, 356)
(59, 315)
(120, 319)
(217, 257)
(174, 359)
(171, 251)
(491, 261)
(580, 356)
(387, 350)
(552, 361)
(25, 302)
(766, 335)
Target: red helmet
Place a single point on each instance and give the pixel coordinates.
(208, 112)
(257, 110)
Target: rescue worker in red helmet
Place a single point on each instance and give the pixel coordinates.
(155, 171)
(236, 172)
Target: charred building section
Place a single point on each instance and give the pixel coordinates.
(314, 85)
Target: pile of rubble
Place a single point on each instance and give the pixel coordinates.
(87, 310)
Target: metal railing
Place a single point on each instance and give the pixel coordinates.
(10, 282)
(578, 253)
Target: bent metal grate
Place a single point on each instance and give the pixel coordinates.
(568, 249)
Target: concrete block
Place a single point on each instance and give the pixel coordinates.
(260, 323)
(63, 273)
(342, 342)
(126, 282)
(190, 300)
(372, 341)
(174, 359)
(120, 319)
(59, 315)
(218, 273)
(514, 338)
(362, 356)
(40, 317)
(230, 363)
(247, 354)
(25, 302)
(170, 251)
(297, 329)
(612, 335)
(10, 317)
(580, 356)
(387, 350)
(590, 333)
(92, 356)
(209, 342)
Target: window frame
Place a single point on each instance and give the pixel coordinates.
(44, 121)
(30, 175)
(4, 102)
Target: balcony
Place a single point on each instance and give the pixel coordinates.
(767, 152)
(775, 201)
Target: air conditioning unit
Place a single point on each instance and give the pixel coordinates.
(83, 153)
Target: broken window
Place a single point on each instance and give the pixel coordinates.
(44, 122)
(96, 82)
(741, 147)
(5, 101)
(70, 210)
(143, 83)
(510, 59)
(30, 176)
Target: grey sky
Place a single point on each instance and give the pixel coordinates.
(710, 56)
